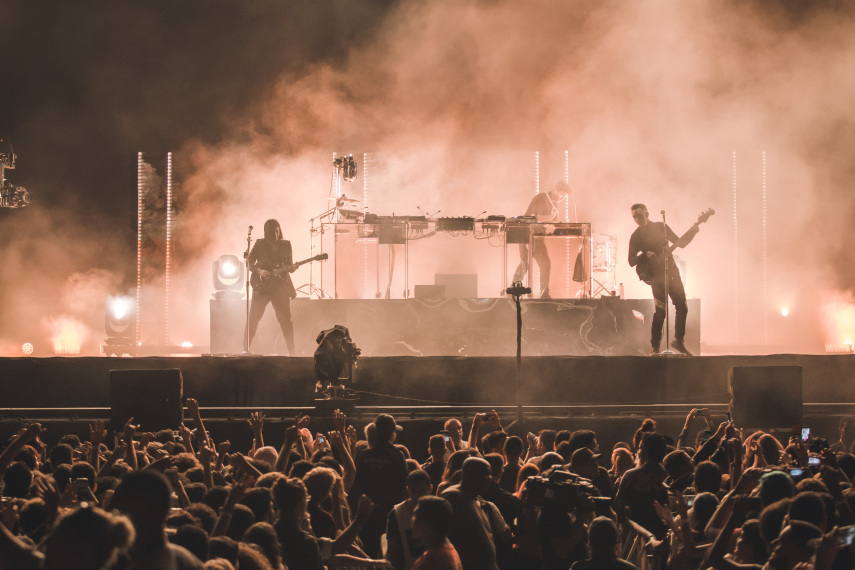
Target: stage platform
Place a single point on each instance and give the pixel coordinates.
(606, 326)
(608, 394)
(237, 382)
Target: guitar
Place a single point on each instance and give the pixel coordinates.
(261, 284)
(648, 268)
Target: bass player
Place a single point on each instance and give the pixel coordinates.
(647, 245)
(271, 263)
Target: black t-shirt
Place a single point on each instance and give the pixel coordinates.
(649, 237)
(299, 548)
(541, 205)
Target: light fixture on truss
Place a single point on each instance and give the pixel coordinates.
(11, 196)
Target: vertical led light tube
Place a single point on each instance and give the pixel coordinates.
(567, 219)
(366, 163)
(765, 264)
(166, 340)
(735, 256)
(139, 245)
(534, 278)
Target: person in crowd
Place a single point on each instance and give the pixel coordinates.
(455, 432)
(432, 519)
(381, 474)
(201, 508)
(145, 498)
(473, 529)
(603, 540)
(846, 429)
(403, 546)
(435, 465)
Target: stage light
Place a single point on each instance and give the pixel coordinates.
(27, 348)
(119, 320)
(186, 344)
(11, 196)
(227, 274)
(785, 311)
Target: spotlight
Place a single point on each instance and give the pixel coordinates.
(119, 321)
(11, 196)
(785, 311)
(27, 348)
(227, 274)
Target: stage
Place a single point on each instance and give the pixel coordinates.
(605, 326)
(608, 394)
(237, 382)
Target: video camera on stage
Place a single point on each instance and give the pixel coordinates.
(564, 490)
(335, 359)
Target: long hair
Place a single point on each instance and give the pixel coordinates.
(270, 229)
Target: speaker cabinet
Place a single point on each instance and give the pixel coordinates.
(228, 323)
(766, 396)
(151, 397)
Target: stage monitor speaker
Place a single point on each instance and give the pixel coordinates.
(765, 396)
(458, 285)
(151, 397)
(228, 323)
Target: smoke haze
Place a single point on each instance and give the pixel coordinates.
(681, 106)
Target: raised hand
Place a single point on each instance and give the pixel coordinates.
(256, 422)
(130, 429)
(364, 507)
(339, 421)
(97, 432)
(495, 421)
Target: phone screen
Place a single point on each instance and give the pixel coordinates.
(846, 534)
(805, 433)
(447, 438)
(797, 472)
(814, 461)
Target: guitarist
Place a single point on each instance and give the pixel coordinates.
(271, 263)
(646, 246)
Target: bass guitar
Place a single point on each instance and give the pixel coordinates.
(261, 284)
(649, 268)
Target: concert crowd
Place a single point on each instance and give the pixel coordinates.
(495, 496)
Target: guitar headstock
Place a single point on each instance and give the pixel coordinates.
(705, 215)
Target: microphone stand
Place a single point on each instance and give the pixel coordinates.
(665, 252)
(246, 272)
(516, 291)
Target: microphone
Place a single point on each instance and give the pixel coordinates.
(484, 212)
(420, 210)
(434, 214)
(250, 231)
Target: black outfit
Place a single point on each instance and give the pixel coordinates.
(299, 548)
(540, 205)
(651, 237)
(381, 473)
(270, 254)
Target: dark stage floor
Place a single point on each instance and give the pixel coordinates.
(608, 394)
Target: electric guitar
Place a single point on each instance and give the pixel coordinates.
(261, 284)
(649, 268)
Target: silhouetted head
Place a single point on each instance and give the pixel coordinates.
(272, 230)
